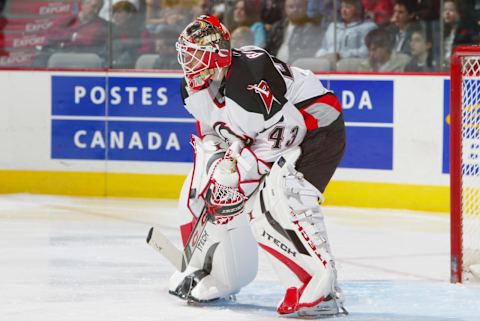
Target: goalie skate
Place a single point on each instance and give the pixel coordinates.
(332, 305)
(183, 291)
(230, 299)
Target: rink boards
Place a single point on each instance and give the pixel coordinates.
(127, 134)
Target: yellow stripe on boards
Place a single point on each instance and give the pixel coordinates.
(386, 195)
(91, 184)
(43, 182)
(145, 185)
(338, 193)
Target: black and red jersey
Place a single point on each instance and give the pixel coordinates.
(264, 102)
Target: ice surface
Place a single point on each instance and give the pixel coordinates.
(65, 258)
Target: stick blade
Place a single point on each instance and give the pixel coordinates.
(164, 246)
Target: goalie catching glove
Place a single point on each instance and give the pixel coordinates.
(234, 177)
(222, 195)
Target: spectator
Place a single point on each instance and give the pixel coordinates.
(217, 9)
(130, 38)
(349, 34)
(247, 14)
(152, 11)
(458, 29)
(421, 50)
(472, 9)
(402, 24)
(381, 58)
(324, 11)
(380, 11)
(170, 14)
(199, 7)
(206, 7)
(241, 36)
(296, 36)
(271, 12)
(3, 23)
(107, 8)
(83, 32)
(428, 10)
(475, 10)
(165, 48)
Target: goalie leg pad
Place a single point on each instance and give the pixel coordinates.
(288, 224)
(225, 260)
(224, 256)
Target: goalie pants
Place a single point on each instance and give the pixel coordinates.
(322, 150)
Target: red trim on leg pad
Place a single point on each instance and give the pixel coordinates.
(186, 230)
(302, 275)
(290, 301)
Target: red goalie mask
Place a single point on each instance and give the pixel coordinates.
(203, 49)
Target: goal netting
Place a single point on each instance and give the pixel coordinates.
(465, 164)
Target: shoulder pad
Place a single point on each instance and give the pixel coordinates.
(255, 83)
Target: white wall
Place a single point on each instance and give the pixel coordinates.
(417, 108)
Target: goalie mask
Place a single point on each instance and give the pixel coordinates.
(203, 50)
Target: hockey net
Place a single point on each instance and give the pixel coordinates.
(465, 164)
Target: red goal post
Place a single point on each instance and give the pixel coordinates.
(465, 164)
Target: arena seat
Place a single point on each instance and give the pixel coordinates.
(349, 64)
(315, 64)
(75, 60)
(146, 61)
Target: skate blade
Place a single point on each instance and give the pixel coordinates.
(318, 314)
(213, 302)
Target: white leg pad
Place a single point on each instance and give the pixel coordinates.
(288, 224)
(225, 261)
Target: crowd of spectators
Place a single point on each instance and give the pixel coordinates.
(345, 38)
(344, 35)
(295, 36)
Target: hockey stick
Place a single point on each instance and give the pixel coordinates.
(165, 247)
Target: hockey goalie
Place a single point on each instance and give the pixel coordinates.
(270, 138)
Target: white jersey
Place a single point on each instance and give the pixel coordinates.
(267, 104)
